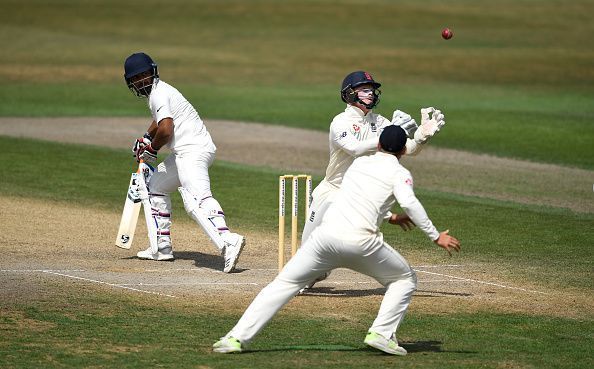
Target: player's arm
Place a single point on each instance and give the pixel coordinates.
(343, 138)
(163, 134)
(141, 143)
(152, 129)
(403, 220)
(162, 137)
(160, 130)
(403, 191)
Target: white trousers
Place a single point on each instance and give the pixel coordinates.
(322, 197)
(189, 170)
(325, 250)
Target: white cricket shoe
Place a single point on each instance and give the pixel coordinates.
(234, 244)
(162, 255)
(227, 345)
(310, 285)
(379, 342)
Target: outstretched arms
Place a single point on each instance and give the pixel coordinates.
(416, 215)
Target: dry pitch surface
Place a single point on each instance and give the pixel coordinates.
(65, 245)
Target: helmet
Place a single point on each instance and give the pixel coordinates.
(358, 78)
(136, 64)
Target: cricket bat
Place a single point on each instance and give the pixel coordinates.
(130, 214)
(151, 221)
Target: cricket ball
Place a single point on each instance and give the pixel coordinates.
(447, 33)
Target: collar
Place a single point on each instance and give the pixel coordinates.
(387, 156)
(354, 111)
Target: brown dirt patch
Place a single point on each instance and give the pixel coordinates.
(77, 248)
(66, 244)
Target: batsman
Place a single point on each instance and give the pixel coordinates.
(177, 125)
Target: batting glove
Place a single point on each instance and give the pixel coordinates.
(406, 122)
(431, 122)
(141, 142)
(147, 154)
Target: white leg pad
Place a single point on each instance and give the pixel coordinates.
(199, 215)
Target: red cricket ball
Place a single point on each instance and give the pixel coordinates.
(447, 33)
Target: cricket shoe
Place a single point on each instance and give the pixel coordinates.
(227, 345)
(162, 255)
(379, 342)
(310, 285)
(234, 244)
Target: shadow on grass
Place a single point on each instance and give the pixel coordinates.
(411, 347)
(208, 261)
(427, 293)
(333, 292)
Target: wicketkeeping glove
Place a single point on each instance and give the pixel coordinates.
(147, 154)
(141, 142)
(431, 122)
(406, 122)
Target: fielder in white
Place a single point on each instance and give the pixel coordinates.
(349, 237)
(355, 132)
(177, 125)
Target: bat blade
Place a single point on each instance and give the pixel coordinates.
(129, 215)
(151, 221)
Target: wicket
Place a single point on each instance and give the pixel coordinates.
(295, 211)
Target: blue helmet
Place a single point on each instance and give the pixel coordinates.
(393, 139)
(136, 64)
(355, 79)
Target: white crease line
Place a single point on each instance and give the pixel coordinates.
(200, 269)
(482, 282)
(108, 284)
(441, 281)
(184, 270)
(40, 270)
(191, 284)
(439, 266)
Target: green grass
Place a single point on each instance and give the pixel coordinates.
(508, 233)
(516, 79)
(92, 328)
(554, 127)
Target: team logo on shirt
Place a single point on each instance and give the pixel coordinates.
(409, 181)
(342, 135)
(356, 128)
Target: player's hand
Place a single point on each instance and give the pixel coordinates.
(402, 220)
(432, 120)
(448, 242)
(406, 122)
(147, 154)
(141, 142)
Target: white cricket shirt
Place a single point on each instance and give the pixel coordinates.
(352, 134)
(189, 132)
(370, 187)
